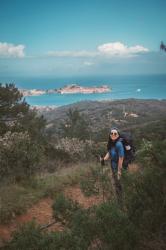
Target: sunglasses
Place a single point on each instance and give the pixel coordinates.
(114, 133)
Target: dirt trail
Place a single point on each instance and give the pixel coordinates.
(133, 168)
(41, 212)
(86, 202)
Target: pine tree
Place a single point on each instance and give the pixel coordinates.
(75, 125)
(15, 113)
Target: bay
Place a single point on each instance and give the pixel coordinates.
(122, 87)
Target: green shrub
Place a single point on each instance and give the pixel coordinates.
(97, 181)
(145, 195)
(89, 183)
(57, 154)
(114, 228)
(19, 155)
(63, 208)
(83, 228)
(145, 200)
(76, 125)
(29, 237)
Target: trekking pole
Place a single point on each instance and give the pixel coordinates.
(102, 165)
(118, 188)
(111, 176)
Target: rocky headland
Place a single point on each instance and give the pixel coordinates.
(69, 89)
(75, 88)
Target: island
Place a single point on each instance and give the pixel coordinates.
(69, 89)
(32, 92)
(75, 89)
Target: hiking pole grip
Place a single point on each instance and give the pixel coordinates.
(102, 160)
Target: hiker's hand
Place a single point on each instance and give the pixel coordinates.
(102, 160)
(119, 174)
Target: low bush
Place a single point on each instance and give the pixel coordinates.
(19, 156)
(114, 228)
(80, 150)
(28, 237)
(97, 181)
(63, 208)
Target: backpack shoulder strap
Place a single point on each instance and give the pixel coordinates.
(120, 140)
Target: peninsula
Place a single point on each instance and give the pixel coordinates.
(69, 89)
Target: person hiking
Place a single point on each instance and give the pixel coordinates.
(121, 152)
(115, 152)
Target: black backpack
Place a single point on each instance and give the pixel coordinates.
(127, 141)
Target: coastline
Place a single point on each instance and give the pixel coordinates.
(44, 108)
(137, 87)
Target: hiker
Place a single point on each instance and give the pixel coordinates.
(115, 152)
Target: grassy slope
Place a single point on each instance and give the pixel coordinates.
(16, 198)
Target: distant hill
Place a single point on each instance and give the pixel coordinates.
(102, 114)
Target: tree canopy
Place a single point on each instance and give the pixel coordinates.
(15, 113)
(21, 135)
(75, 125)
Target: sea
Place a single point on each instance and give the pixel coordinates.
(122, 87)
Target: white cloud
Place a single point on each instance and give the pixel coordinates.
(11, 50)
(138, 49)
(118, 48)
(104, 50)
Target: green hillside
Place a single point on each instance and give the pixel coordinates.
(43, 157)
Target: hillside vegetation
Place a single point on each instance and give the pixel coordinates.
(100, 116)
(41, 156)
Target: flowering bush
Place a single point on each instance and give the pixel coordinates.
(78, 149)
(19, 155)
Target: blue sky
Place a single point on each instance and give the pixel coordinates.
(81, 37)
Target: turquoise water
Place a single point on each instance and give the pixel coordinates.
(123, 87)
